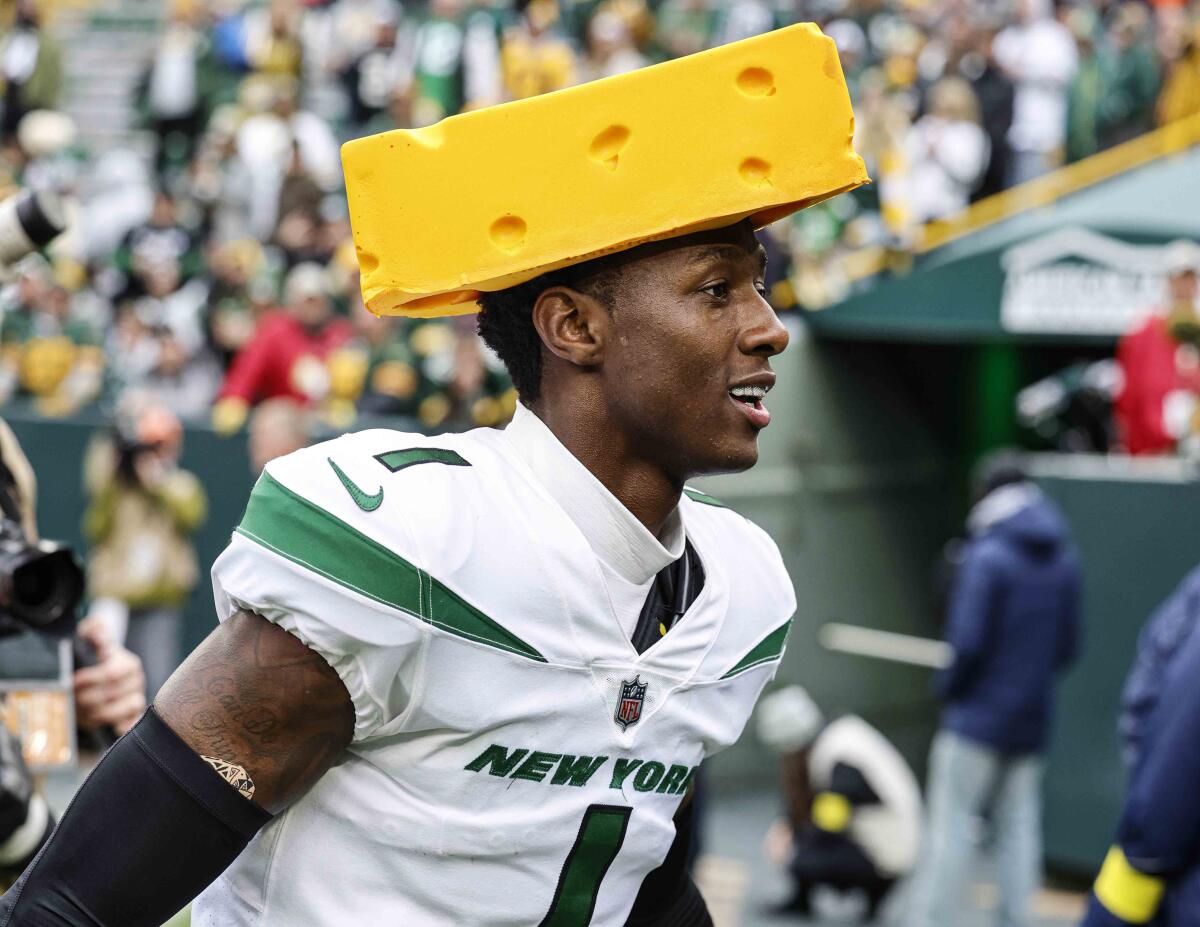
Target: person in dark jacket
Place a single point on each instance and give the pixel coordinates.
(1161, 640)
(1151, 874)
(996, 94)
(1014, 626)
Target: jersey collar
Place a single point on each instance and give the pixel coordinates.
(615, 535)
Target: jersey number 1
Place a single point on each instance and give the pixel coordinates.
(596, 846)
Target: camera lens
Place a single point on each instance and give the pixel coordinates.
(33, 584)
(41, 585)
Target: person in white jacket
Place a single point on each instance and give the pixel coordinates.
(853, 826)
(1039, 55)
(946, 151)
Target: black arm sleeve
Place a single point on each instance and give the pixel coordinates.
(668, 896)
(149, 828)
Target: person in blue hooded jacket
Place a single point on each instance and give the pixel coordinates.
(1014, 623)
(1151, 874)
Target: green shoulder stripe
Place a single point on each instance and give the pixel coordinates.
(411, 456)
(768, 649)
(306, 534)
(697, 496)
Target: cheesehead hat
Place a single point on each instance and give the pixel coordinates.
(491, 198)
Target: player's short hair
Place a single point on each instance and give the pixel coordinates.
(505, 320)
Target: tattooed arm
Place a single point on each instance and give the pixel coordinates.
(152, 825)
(254, 696)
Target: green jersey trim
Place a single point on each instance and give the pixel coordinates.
(703, 498)
(295, 528)
(768, 649)
(410, 457)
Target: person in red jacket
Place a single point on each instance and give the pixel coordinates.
(1160, 360)
(286, 356)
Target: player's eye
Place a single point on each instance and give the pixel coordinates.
(761, 288)
(718, 289)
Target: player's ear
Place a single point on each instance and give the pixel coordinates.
(572, 325)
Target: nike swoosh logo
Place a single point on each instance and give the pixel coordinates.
(368, 503)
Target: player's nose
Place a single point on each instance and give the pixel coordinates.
(763, 334)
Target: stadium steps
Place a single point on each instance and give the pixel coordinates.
(106, 46)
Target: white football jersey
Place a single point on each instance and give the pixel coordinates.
(515, 761)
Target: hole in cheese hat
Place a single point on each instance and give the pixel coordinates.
(491, 198)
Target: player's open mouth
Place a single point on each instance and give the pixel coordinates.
(749, 400)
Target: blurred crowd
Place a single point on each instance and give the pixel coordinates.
(214, 269)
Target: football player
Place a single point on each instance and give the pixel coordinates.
(468, 679)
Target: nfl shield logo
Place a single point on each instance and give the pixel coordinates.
(629, 705)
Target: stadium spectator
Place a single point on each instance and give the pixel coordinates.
(31, 64)
(167, 304)
(534, 57)
(1152, 872)
(947, 152)
(853, 49)
(611, 46)
(741, 19)
(23, 316)
(882, 125)
(1156, 409)
(277, 427)
(1014, 624)
(176, 90)
(995, 93)
(286, 356)
(272, 39)
(48, 351)
(434, 370)
(143, 510)
(163, 326)
(684, 26)
(266, 140)
(353, 29)
(182, 379)
(397, 115)
(235, 267)
(160, 246)
(392, 378)
(298, 191)
(853, 823)
(450, 61)
(1180, 97)
(1038, 53)
(374, 71)
(1085, 96)
(1133, 82)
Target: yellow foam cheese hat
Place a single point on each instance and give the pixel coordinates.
(491, 198)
